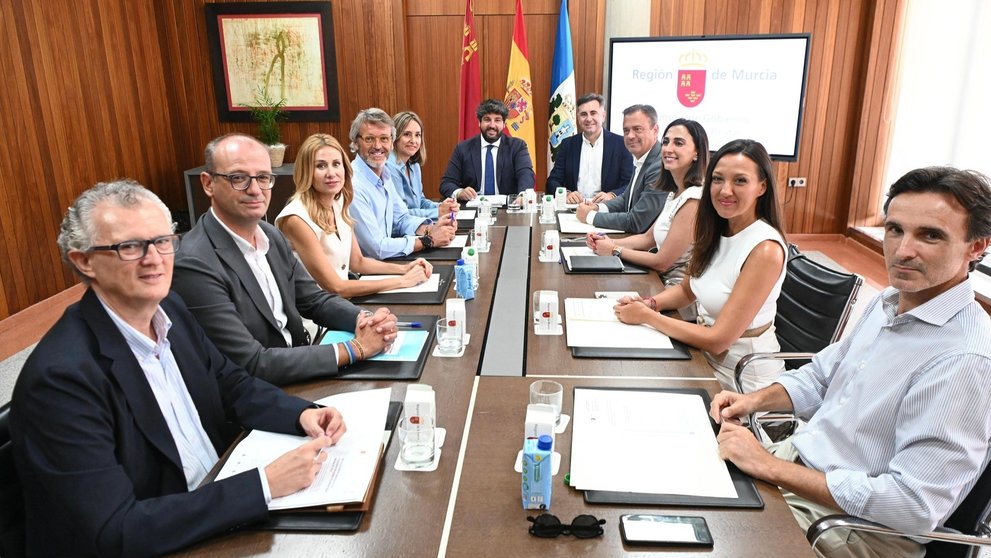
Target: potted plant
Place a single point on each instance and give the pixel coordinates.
(267, 112)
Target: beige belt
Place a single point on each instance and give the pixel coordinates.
(752, 332)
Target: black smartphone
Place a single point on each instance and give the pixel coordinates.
(664, 530)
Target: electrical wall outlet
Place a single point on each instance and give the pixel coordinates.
(796, 182)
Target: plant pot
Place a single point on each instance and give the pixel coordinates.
(277, 152)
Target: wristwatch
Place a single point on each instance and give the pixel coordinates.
(427, 241)
(617, 250)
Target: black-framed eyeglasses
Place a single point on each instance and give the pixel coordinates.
(242, 181)
(130, 250)
(548, 526)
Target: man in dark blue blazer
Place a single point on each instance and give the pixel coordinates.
(467, 174)
(608, 165)
(124, 406)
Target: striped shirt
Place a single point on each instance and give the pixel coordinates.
(898, 412)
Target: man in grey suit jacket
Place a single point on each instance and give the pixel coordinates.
(637, 209)
(239, 277)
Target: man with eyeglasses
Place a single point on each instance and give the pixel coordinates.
(489, 163)
(383, 224)
(239, 277)
(125, 404)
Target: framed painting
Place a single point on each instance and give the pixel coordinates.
(277, 50)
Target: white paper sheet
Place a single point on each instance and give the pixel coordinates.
(350, 464)
(495, 199)
(615, 295)
(466, 214)
(460, 241)
(569, 224)
(591, 322)
(429, 286)
(646, 442)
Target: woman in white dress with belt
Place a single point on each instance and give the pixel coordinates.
(736, 269)
(317, 223)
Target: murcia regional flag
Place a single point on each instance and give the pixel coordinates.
(561, 123)
(519, 94)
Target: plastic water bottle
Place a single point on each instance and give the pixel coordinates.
(463, 283)
(470, 256)
(537, 473)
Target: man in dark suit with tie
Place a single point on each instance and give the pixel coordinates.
(637, 209)
(125, 405)
(468, 172)
(239, 277)
(593, 165)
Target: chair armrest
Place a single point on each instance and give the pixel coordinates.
(755, 357)
(829, 522)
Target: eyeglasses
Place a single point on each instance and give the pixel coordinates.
(371, 140)
(548, 526)
(241, 181)
(130, 250)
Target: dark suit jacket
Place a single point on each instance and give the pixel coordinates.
(617, 164)
(100, 470)
(514, 169)
(214, 279)
(647, 201)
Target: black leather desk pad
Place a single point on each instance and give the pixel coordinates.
(396, 370)
(678, 352)
(440, 254)
(747, 495)
(327, 521)
(437, 297)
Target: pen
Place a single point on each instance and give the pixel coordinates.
(452, 216)
(411, 325)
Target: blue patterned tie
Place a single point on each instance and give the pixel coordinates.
(489, 172)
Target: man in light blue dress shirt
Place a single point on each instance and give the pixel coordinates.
(383, 225)
(899, 427)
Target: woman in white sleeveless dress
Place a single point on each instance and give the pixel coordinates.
(735, 272)
(317, 223)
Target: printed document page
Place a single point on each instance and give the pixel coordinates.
(466, 214)
(569, 224)
(460, 241)
(350, 464)
(429, 286)
(591, 322)
(646, 442)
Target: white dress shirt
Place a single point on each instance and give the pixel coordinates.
(590, 166)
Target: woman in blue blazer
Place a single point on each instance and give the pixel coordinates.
(407, 155)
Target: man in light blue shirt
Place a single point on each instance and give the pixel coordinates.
(899, 428)
(383, 225)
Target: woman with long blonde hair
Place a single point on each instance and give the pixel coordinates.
(317, 223)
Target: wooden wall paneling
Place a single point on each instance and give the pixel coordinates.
(434, 47)
(880, 90)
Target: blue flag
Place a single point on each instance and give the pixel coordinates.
(561, 123)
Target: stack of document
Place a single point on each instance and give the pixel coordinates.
(647, 442)
(350, 467)
(429, 286)
(591, 322)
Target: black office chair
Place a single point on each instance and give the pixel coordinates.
(813, 308)
(11, 497)
(964, 534)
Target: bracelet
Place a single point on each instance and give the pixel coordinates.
(361, 350)
(347, 347)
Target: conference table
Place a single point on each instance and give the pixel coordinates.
(470, 505)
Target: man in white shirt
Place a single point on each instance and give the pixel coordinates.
(593, 165)
(124, 406)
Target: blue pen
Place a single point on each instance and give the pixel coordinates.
(411, 325)
(452, 216)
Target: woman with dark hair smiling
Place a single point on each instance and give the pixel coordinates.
(318, 225)
(684, 155)
(735, 272)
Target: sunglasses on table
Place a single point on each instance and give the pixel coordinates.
(549, 526)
